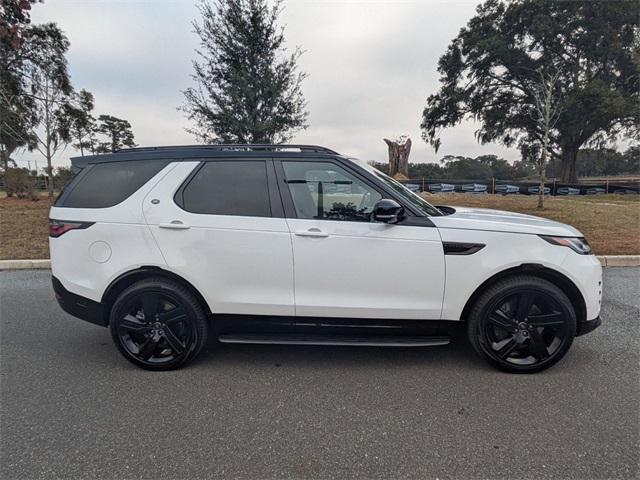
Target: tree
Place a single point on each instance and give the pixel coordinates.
(16, 116)
(520, 169)
(632, 159)
(489, 73)
(81, 123)
(16, 112)
(248, 89)
(19, 182)
(545, 115)
(605, 162)
(457, 167)
(465, 168)
(47, 87)
(14, 17)
(399, 150)
(118, 132)
(63, 175)
(428, 170)
(500, 168)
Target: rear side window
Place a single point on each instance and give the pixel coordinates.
(107, 184)
(235, 187)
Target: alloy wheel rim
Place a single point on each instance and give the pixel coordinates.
(155, 328)
(525, 328)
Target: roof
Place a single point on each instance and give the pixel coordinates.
(186, 152)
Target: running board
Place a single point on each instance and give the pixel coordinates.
(363, 341)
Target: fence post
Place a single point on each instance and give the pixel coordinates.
(553, 192)
(493, 185)
(423, 184)
(606, 188)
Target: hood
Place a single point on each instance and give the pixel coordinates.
(499, 221)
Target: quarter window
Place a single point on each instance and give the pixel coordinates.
(234, 187)
(326, 191)
(107, 184)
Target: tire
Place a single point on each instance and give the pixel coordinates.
(158, 324)
(522, 324)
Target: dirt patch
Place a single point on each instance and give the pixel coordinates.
(24, 228)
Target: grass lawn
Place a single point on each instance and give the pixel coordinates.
(611, 223)
(24, 228)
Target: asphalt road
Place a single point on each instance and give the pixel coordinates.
(71, 407)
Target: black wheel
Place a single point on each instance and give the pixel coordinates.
(522, 324)
(158, 324)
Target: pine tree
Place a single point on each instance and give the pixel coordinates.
(117, 131)
(248, 88)
(81, 122)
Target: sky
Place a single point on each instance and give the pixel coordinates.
(371, 66)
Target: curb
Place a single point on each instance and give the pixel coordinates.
(45, 264)
(25, 264)
(620, 260)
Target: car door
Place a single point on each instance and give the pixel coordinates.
(219, 224)
(344, 264)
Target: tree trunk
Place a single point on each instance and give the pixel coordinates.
(49, 169)
(50, 177)
(543, 169)
(393, 157)
(568, 166)
(399, 157)
(541, 192)
(5, 156)
(403, 161)
(80, 142)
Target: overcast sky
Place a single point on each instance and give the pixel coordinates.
(371, 66)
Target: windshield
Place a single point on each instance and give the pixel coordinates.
(412, 197)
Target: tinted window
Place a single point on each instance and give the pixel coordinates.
(229, 188)
(107, 184)
(325, 191)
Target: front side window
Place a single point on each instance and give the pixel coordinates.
(411, 197)
(234, 187)
(326, 191)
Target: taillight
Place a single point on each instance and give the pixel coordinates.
(59, 227)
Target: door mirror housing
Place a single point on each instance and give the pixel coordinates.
(388, 211)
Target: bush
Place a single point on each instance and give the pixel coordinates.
(63, 175)
(20, 183)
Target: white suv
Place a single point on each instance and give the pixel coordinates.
(298, 244)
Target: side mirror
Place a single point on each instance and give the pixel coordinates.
(388, 211)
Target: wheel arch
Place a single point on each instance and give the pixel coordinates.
(123, 281)
(557, 278)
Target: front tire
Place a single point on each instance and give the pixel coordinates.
(522, 324)
(158, 324)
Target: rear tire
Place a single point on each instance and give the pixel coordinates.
(158, 324)
(522, 324)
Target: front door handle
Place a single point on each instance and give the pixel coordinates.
(174, 225)
(312, 232)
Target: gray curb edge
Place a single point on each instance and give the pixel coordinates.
(45, 264)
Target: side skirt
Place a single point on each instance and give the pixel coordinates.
(333, 331)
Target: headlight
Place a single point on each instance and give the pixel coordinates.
(577, 244)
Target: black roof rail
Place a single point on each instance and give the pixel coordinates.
(236, 147)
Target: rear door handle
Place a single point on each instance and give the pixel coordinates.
(312, 232)
(174, 225)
